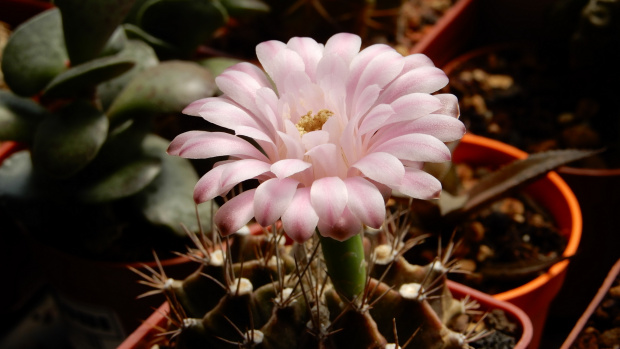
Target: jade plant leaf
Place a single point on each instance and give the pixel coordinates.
(19, 117)
(121, 181)
(69, 139)
(88, 25)
(512, 177)
(87, 75)
(183, 23)
(16, 177)
(166, 88)
(34, 54)
(239, 8)
(161, 47)
(143, 56)
(168, 200)
(115, 44)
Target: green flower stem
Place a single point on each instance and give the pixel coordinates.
(346, 265)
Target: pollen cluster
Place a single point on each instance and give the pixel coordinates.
(309, 122)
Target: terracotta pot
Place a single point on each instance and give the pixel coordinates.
(144, 335)
(552, 193)
(450, 34)
(581, 324)
(97, 300)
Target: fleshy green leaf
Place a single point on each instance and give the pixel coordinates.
(217, 65)
(160, 46)
(19, 117)
(166, 88)
(182, 23)
(116, 43)
(16, 177)
(121, 182)
(144, 57)
(68, 140)
(34, 54)
(168, 200)
(240, 8)
(87, 75)
(88, 25)
(514, 176)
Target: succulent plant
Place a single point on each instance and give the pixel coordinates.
(83, 99)
(261, 291)
(256, 291)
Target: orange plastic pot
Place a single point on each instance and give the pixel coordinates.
(145, 335)
(556, 196)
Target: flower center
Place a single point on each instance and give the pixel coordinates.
(309, 122)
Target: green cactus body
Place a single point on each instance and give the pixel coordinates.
(283, 298)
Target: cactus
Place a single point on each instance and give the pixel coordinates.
(228, 302)
(253, 291)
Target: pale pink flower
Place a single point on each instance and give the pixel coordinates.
(338, 130)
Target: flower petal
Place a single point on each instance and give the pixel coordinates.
(272, 198)
(310, 52)
(415, 147)
(194, 107)
(177, 143)
(345, 227)
(241, 170)
(413, 106)
(203, 145)
(344, 45)
(329, 198)
(419, 184)
(225, 175)
(382, 167)
(424, 79)
(365, 201)
(300, 220)
(235, 213)
(288, 167)
(227, 114)
(450, 105)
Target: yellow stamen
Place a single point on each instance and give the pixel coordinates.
(309, 122)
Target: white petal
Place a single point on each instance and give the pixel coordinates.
(241, 170)
(314, 138)
(345, 227)
(415, 147)
(235, 213)
(266, 51)
(194, 107)
(365, 201)
(329, 198)
(309, 51)
(424, 79)
(450, 105)
(375, 118)
(382, 167)
(288, 167)
(300, 220)
(420, 185)
(210, 144)
(344, 45)
(272, 198)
